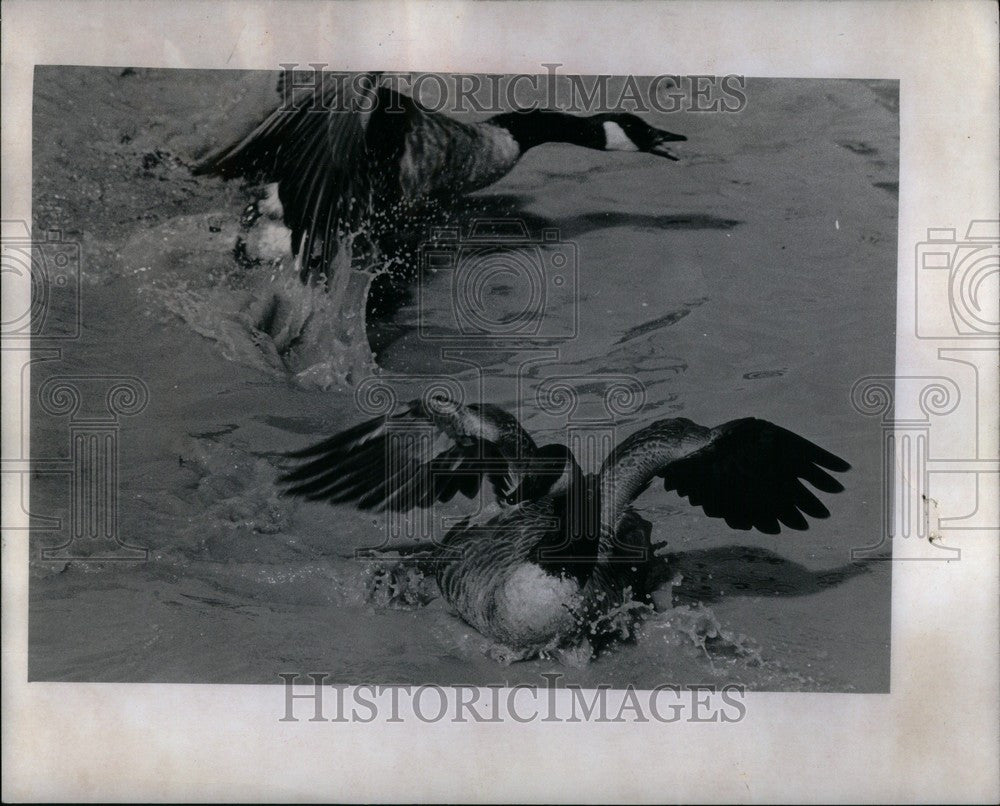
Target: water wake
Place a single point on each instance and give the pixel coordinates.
(258, 312)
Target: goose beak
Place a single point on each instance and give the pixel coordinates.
(660, 147)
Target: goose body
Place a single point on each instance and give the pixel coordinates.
(566, 562)
(525, 582)
(340, 171)
(441, 156)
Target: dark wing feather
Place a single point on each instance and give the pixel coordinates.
(426, 452)
(749, 474)
(316, 152)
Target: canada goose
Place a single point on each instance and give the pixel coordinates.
(341, 171)
(567, 562)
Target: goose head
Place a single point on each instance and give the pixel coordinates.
(554, 470)
(612, 131)
(624, 131)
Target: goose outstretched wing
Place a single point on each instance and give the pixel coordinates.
(315, 151)
(749, 472)
(426, 451)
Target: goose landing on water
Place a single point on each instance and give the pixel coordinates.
(340, 172)
(566, 564)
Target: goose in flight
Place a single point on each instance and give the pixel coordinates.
(338, 170)
(566, 563)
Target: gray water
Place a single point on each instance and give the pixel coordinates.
(754, 278)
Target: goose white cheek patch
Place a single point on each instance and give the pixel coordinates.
(616, 139)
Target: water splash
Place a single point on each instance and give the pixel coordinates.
(702, 628)
(257, 311)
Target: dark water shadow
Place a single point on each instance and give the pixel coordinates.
(510, 205)
(570, 228)
(661, 322)
(709, 575)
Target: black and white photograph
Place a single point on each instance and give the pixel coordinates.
(569, 392)
(429, 397)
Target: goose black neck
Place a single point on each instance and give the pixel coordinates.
(536, 126)
(556, 469)
(573, 546)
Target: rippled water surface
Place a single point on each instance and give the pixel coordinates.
(754, 278)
